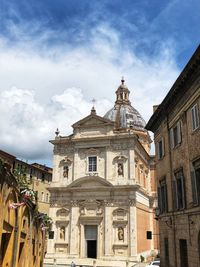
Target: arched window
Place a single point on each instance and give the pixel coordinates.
(42, 196)
(47, 198)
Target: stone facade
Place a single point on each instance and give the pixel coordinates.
(102, 192)
(176, 127)
(21, 235)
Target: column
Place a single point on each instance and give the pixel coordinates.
(82, 241)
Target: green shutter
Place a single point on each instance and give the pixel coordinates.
(159, 200)
(175, 202)
(179, 132)
(194, 188)
(183, 191)
(171, 138)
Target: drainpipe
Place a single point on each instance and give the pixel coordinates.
(171, 173)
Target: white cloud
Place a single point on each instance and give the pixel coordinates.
(57, 87)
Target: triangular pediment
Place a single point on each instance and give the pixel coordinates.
(92, 120)
(90, 182)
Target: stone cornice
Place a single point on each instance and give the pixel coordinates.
(189, 73)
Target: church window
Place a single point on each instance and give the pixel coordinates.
(195, 117)
(92, 164)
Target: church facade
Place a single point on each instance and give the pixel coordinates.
(103, 190)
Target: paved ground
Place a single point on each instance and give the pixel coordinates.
(55, 265)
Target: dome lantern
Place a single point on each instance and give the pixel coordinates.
(123, 114)
(122, 93)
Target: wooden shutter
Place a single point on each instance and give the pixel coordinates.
(194, 188)
(183, 191)
(166, 198)
(172, 137)
(179, 132)
(158, 150)
(175, 204)
(197, 115)
(163, 147)
(159, 200)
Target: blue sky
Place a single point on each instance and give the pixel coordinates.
(58, 55)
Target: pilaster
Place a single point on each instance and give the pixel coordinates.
(133, 231)
(74, 231)
(108, 232)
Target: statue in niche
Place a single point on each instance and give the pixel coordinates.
(62, 233)
(65, 171)
(120, 169)
(120, 233)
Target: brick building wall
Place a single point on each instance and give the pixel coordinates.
(176, 127)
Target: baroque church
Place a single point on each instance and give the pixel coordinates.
(103, 194)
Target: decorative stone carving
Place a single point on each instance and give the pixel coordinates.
(120, 158)
(120, 169)
(132, 202)
(62, 233)
(92, 151)
(120, 233)
(74, 203)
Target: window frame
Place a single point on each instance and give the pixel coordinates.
(176, 135)
(195, 117)
(161, 148)
(163, 196)
(91, 164)
(195, 174)
(179, 196)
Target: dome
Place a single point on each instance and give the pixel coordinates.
(128, 117)
(123, 114)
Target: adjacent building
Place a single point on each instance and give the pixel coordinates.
(103, 191)
(39, 176)
(21, 234)
(176, 127)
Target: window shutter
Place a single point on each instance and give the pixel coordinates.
(163, 147)
(193, 118)
(159, 200)
(179, 132)
(197, 115)
(183, 191)
(175, 195)
(172, 138)
(194, 188)
(166, 199)
(158, 150)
